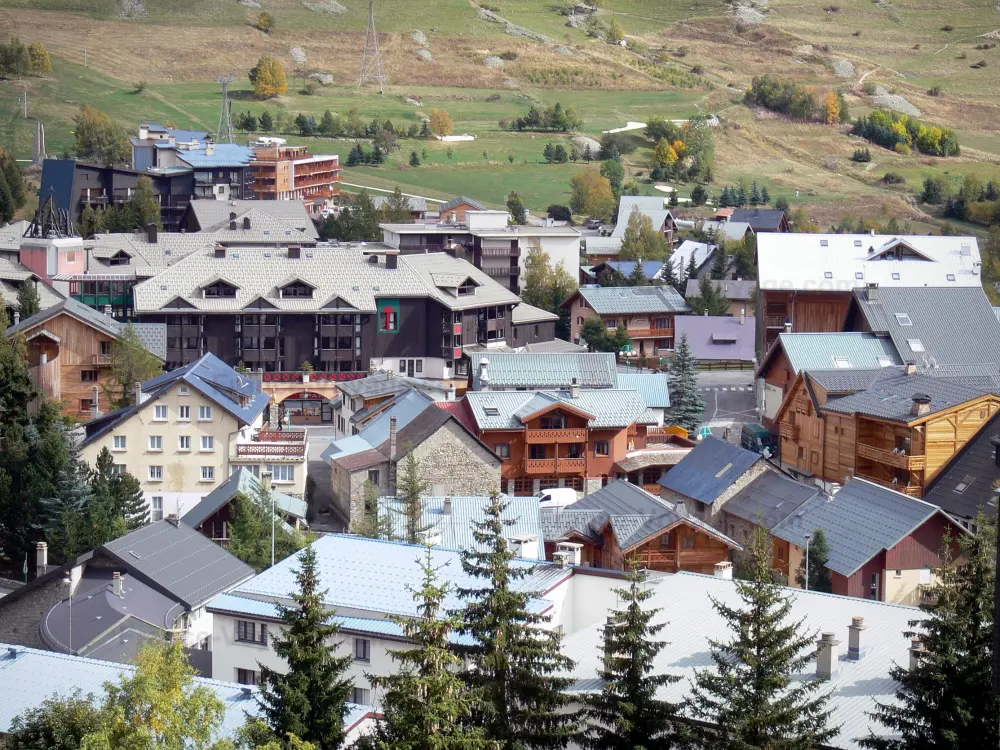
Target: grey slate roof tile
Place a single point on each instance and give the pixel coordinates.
(610, 407)
(210, 212)
(590, 369)
(709, 469)
(633, 299)
(769, 498)
(965, 484)
(891, 395)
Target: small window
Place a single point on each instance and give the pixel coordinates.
(86, 404)
(247, 676)
(155, 473)
(884, 361)
(373, 476)
(828, 274)
(120, 442)
(602, 447)
(491, 411)
(156, 508)
(420, 365)
(204, 413)
(183, 390)
(251, 632)
(207, 443)
(362, 649)
(156, 442)
(903, 319)
(898, 574)
(208, 473)
(857, 243)
(824, 243)
(915, 345)
(118, 469)
(723, 470)
(88, 376)
(502, 450)
(842, 363)
(950, 277)
(184, 443)
(284, 473)
(781, 553)
(160, 413)
(361, 696)
(895, 276)
(184, 413)
(858, 275)
(964, 484)
(688, 541)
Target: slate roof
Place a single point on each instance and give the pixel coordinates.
(855, 687)
(169, 248)
(460, 199)
(525, 313)
(965, 484)
(180, 561)
(859, 521)
(650, 268)
(954, 325)
(29, 676)
(632, 299)
(237, 394)
(456, 526)
(13, 275)
(845, 381)
(769, 498)
(760, 219)
(12, 270)
(732, 290)
(594, 245)
(153, 335)
(488, 291)
(526, 370)
(718, 337)
(263, 230)
(890, 396)
(11, 234)
(372, 575)
(241, 480)
(731, 231)
(210, 212)
(821, 351)
(801, 261)
(653, 387)
(708, 470)
(555, 346)
(609, 407)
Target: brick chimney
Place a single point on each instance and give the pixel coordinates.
(854, 631)
(574, 389)
(921, 405)
(910, 368)
(827, 656)
(41, 558)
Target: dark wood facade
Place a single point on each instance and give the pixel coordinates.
(799, 312)
(530, 333)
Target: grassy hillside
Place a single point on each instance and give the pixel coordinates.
(684, 57)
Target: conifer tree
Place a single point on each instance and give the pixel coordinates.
(692, 268)
(515, 206)
(28, 301)
(719, 259)
(626, 714)
(410, 491)
(947, 702)
(765, 196)
(710, 300)
(131, 502)
(512, 663)
(414, 159)
(750, 699)
(755, 199)
(638, 275)
(686, 403)
(397, 208)
(425, 704)
(310, 699)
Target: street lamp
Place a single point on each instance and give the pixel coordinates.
(808, 538)
(68, 580)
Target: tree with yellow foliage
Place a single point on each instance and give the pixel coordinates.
(441, 122)
(268, 78)
(592, 195)
(832, 108)
(38, 58)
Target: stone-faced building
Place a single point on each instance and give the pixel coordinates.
(453, 461)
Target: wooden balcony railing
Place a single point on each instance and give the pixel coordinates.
(549, 437)
(774, 321)
(657, 558)
(788, 430)
(102, 360)
(912, 490)
(554, 466)
(888, 458)
(651, 333)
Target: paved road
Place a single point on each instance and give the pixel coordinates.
(729, 401)
(320, 508)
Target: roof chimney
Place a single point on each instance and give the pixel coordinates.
(446, 508)
(910, 368)
(391, 261)
(17, 317)
(232, 225)
(451, 393)
(573, 549)
(854, 638)
(921, 404)
(209, 149)
(484, 374)
(246, 223)
(116, 584)
(137, 392)
(871, 291)
(220, 250)
(743, 316)
(788, 326)
(574, 388)
(173, 519)
(41, 558)
(151, 233)
(827, 656)
(724, 570)
(232, 216)
(95, 405)
(107, 310)
(265, 481)
(916, 653)
(680, 508)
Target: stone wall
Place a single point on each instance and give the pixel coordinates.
(712, 514)
(20, 616)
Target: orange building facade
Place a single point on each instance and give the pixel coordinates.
(283, 172)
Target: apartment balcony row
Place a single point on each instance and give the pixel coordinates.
(555, 465)
(913, 490)
(494, 271)
(555, 436)
(268, 444)
(895, 459)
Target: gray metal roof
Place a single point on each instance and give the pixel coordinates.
(891, 396)
(769, 498)
(860, 521)
(488, 291)
(210, 212)
(845, 381)
(759, 218)
(263, 229)
(179, 561)
(11, 234)
(589, 369)
(731, 231)
(455, 526)
(954, 325)
(733, 290)
(458, 200)
(718, 337)
(503, 410)
(404, 409)
(525, 313)
(653, 387)
(555, 346)
(612, 300)
(709, 469)
(384, 383)
(825, 351)
(681, 257)
(965, 484)
(245, 481)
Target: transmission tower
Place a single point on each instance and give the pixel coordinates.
(225, 131)
(371, 64)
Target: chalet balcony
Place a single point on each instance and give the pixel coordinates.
(551, 437)
(494, 271)
(655, 560)
(651, 333)
(913, 490)
(102, 360)
(267, 444)
(789, 431)
(775, 321)
(888, 458)
(554, 466)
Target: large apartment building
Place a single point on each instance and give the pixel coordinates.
(286, 172)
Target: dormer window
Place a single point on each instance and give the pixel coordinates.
(297, 289)
(120, 259)
(466, 290)
(219, 289)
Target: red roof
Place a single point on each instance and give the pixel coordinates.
(460, 411)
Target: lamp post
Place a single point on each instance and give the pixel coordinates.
(808, 539)
(68, 580)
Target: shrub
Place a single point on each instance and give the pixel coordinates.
(697, 70)
(551, 118)
(791, 99)
(559, 213)
(493, 98)
(310, 88)
(138, 87)
(508, 55)
(934, 91)
(623, 143)
(869, 88)
(980, 64)
(893, 178)
(264, 22)
(901, 132)
(947, 27)
(861, 155)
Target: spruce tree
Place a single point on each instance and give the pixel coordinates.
(765, 196)
(626, 714)
(755, 198)
(692, 268)
(410, 492)
(638, 275)
(719, 260)
(310, 699)
(947, 702)
(414, 159)
(144, 207)
(686, 404)
(132, 504)
(425, 704)
(512, 663)
(710, 300)
(28, 301)
(819, 574)
(750, 699)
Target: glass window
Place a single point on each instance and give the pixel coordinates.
(251, 632)
(120, 442)
(420, 365)
(88, 376)
(247, 676)
(373, 476)
(204, 412)
(156, 508)
(602, 448)
(282, 472)
(361, 696)
(207, 473)
(207, 443)
(156, 442)
(155, 473)
(502, 450)
(184, 413)
(184, 443)
(159, 413)
(118, 469)
(362, 649)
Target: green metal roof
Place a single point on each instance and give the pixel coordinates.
(828, 351)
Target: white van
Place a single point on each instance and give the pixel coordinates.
(556, 497)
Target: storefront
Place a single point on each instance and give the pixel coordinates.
(306, 408)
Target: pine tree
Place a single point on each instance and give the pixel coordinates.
(638, 275)
(14, 177)
(765, 196)
(740, 198)
(515, 206)
(750, 700)
(250, 531)
(397, 208)
(131, 502)
(819, 575)
(144, 206)
(410, 491)
(686, 403)
(626, 714)
(755, 199)
(310, 698)
(947, 702)
(512, 662)
(710, 300)
(425, 705)
(28, 301)
(266, 121)
(719, 260)
(414, 159)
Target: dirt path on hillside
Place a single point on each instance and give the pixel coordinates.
(168, 103)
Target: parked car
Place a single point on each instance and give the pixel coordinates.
(556, 497)
(593, 223)
(757, 438)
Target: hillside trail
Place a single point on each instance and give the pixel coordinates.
(181, 110)
(861, 80)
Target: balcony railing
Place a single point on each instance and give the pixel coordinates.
(553, 466)
(913, 490)
(788, 430)
(102, 360)
(564, 435)
(651, 333)
(888, 458)
(270, 450)
(310, 377)
(281, 436)
(774, 321)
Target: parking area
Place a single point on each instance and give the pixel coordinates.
(729, 401)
